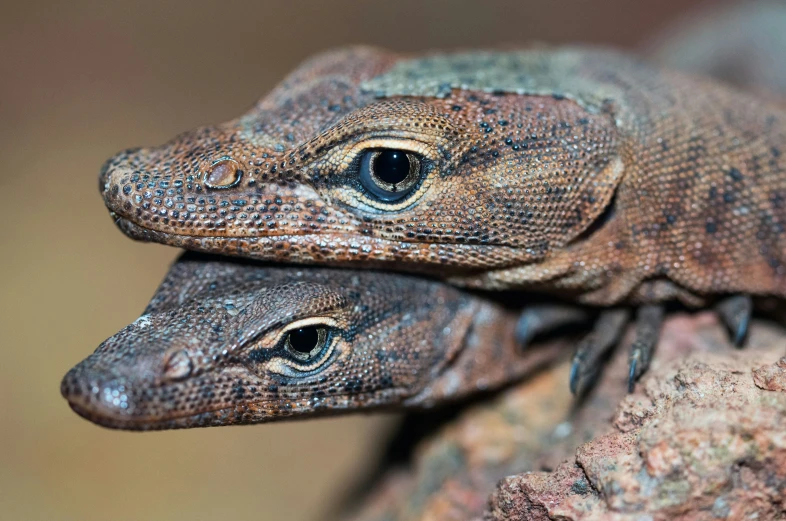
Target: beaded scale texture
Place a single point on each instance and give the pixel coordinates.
(211, 348)
(582, 172)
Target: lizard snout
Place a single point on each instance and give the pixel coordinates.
(98, 395)
(121, 383)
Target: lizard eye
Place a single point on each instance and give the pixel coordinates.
(306, 343)
(390, 175)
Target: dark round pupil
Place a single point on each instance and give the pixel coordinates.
(304, 340)
(391, 166)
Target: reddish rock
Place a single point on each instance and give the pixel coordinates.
(771, 377)
(454, 471)
(703, 437)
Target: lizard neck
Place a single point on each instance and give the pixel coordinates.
(488, 357)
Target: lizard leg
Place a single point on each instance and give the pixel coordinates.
(736, 312)
(648, 322)
(544, 318)
(605, 333)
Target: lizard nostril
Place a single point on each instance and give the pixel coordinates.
(178, 366)
(224, 173)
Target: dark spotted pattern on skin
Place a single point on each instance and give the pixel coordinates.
(580, 171)
(208, 350)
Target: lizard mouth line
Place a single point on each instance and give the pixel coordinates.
(109, 420)
(181, 421)
(128, 225)
(144, 233)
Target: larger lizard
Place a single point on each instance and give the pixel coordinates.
(226, 342)
(581, 172)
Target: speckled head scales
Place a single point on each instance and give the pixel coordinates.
(211, 349)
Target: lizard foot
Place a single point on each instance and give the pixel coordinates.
(545, 318)
(735, 312)
(587, 360)
(648, 321)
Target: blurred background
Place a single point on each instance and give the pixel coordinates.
(79, 81)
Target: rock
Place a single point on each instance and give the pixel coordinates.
(454, 471)
(702, 437)
(771, 377)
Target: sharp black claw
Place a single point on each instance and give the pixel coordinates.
(524, 332)
(574, 376)
(648, 323)
(742, 331)
(736, 312)
(632, 374)
(581, 377)
(590, 353)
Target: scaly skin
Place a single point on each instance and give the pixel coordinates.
(210, 348)
(581, 172)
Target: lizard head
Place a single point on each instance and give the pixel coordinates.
(228, 343)
(363, 156)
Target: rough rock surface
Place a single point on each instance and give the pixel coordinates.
(454, 471)
(702, 437)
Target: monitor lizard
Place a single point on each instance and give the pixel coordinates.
(231, 342)
(579, 171)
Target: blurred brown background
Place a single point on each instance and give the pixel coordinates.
(81, 80)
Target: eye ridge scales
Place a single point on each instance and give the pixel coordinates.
(577, 171)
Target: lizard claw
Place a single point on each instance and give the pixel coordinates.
(586, 361)
(633, 370)
(574, 374)
(736, 312)
(648, 322)
(544, 318)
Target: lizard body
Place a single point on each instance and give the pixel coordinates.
(225, 342)
(584, 173)
(577, 171)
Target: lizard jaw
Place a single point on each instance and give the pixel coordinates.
(107, 415)
(435, 259)
(109, 421)
(112, 403)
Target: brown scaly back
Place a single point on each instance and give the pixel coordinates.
(225, 342)
(578, 171)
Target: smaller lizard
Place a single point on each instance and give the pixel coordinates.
(579, 172)
(229, 342)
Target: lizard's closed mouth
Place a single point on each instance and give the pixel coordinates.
(336, 249)
(104, 412)
(146, 233)
(141, 424)
(112, 405)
